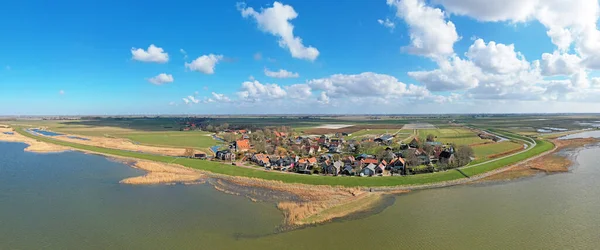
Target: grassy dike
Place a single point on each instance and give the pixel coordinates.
(220, 168)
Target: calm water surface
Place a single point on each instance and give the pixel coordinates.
(73, 201)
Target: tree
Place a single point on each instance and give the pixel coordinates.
(430, 138)
(260, 146)
(225, 126)
(210, 128)
(337, 157)
(229, 137)
(410, 158)
(427, 148)
(189, 152)
(281, 151)
(463, 155)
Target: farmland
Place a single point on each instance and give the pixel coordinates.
(458, 136)
(483, 151)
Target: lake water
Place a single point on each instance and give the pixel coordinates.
(44, 132)
(74, 201)
(588, 134)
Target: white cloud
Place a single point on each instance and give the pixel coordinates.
(220, 97)
(172, 104)
(559, 64)
(257, 56)
(567, 22)
(492, 71)
(387, 23)
(496, 58)
(430, 34)
(192, 99)
(205, 64)
(276, 21)
(452, 74)
(255, 91)
(161, 78)
(153, 54)
(282, 73)
(323, 98)
(185, 100)
(367, 84)
(299, 91)
(184, 53)
(61, 92)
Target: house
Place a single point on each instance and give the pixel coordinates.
(368, 161)
(333, 169)
(363, 156)
(347, 170)
(334, 149)
(261, 159)
(424, 160)
(368, 170)
(446, 157)
(312, 150)
(225, 155)
(380, 168)
(242, 145)
(414, 143)
(242, 131)
(349, 159)
(398, 165)
(385, 139)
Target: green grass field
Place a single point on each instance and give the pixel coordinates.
(458, 136)
(220, 168)
(482, 151)
(192, 139)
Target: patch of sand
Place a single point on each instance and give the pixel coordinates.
(34, 145)
(163, 173)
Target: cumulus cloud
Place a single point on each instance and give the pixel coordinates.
(282, 73)
(430, 34)
(220, 97)
(205, 64)
(490, 71)
(387, 23)
(153, 54)
(559, 64)
(184, 53)
(323, 98)
(496, 58)
(567, 22)
(276, 21)
(161, 78)
(367, 84)
(185, 100)
(299, 91)
(453, 73)
(255, 91)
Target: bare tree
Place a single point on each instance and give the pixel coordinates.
(189, 152)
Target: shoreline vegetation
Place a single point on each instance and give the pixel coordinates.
(305, 203)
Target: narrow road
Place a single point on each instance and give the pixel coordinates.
(531, 143)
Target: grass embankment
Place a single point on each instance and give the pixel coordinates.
(192, 139)
(483, 152)
(219, 168)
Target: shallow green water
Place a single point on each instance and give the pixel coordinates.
(47, 201)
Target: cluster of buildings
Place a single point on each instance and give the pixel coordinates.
(334, 156)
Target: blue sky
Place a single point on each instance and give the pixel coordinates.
(77, 57)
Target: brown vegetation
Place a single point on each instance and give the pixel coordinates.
(550, 163)
(506, 153)
(163, 173)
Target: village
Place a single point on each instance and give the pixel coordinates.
(282, 149)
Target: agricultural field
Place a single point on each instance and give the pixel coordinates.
(482, 152)
(458, 136)
(192, 139)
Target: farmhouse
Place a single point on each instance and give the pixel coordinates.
(414, 143)
(242, 145)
